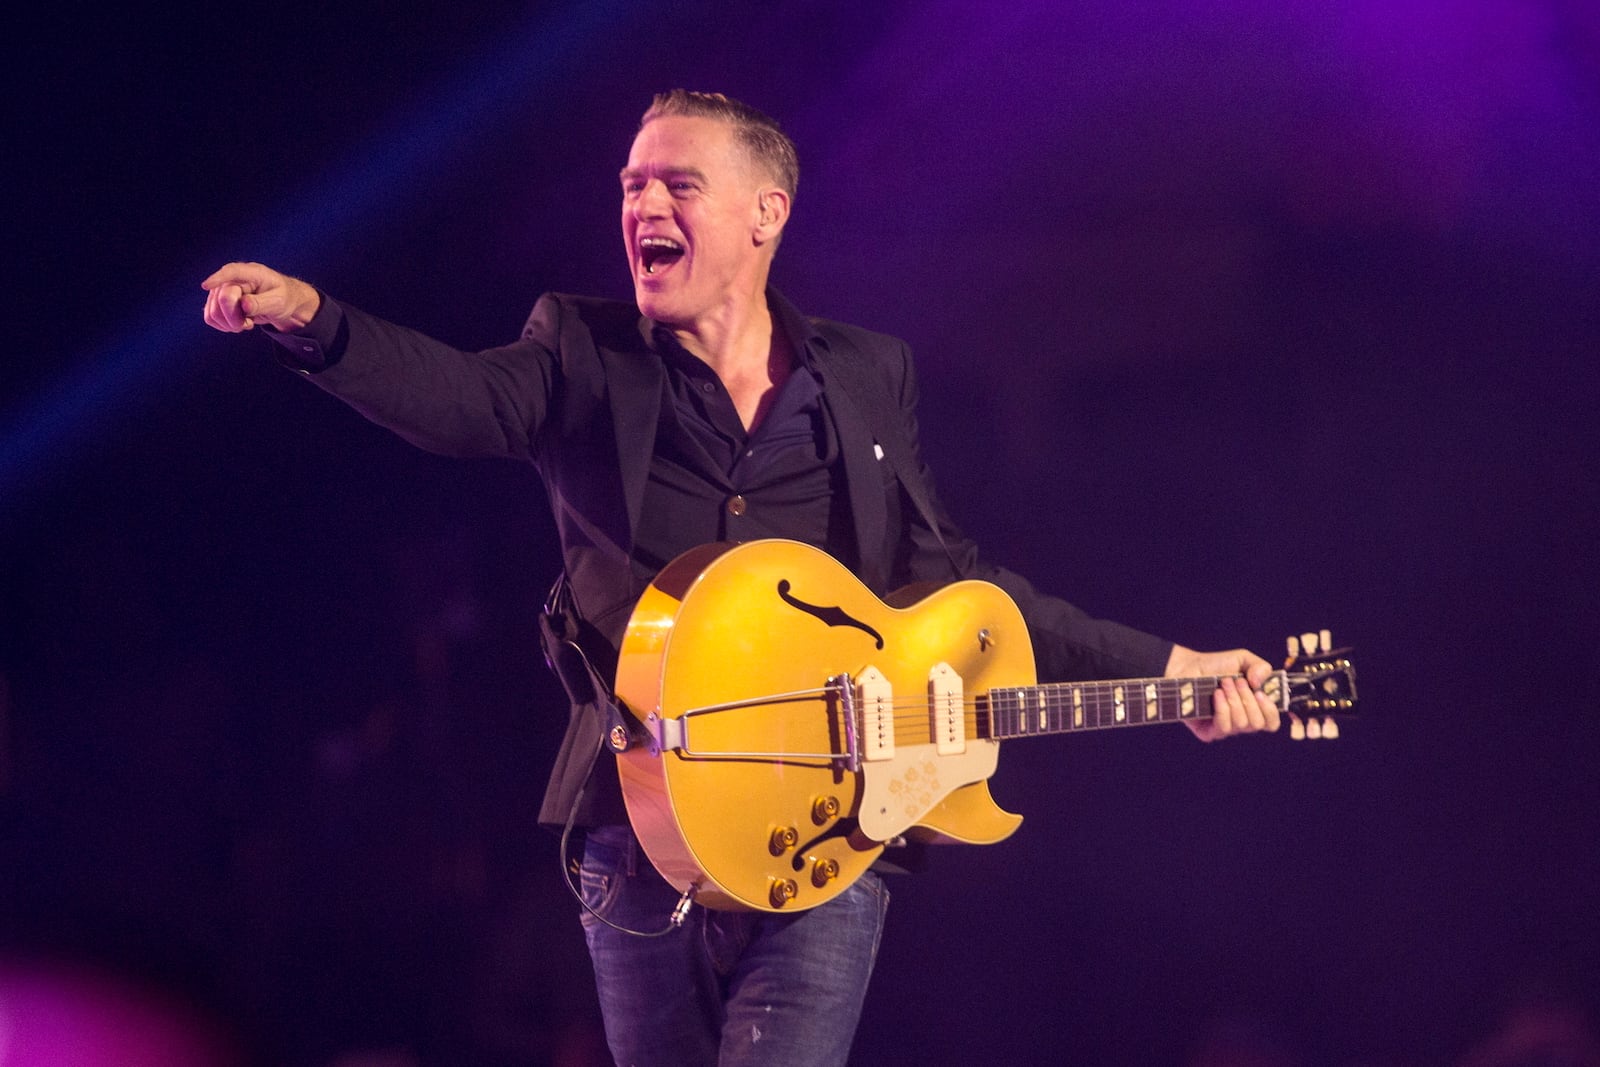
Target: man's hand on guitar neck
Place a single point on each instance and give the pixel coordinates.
(1236, 708)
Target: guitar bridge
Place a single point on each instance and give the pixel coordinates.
(846, 690)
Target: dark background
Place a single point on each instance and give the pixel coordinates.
(1233, 319)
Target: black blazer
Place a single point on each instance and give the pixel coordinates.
(578, 395)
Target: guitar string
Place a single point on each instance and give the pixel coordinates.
(1098, 710)
(1099, 695)
(1170, 687)
(1097, 706)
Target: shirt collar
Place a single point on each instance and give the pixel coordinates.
(786, 317)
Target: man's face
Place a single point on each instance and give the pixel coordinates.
(690, 211)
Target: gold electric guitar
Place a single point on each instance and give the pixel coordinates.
(790, 724)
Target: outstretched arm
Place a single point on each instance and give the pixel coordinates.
(1238, 706)
(438, 397)
(241, 296)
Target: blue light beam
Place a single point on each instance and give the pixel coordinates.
(43, 437)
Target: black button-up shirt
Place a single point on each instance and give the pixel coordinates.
(711, 480)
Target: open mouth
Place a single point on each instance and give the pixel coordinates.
(658, 252)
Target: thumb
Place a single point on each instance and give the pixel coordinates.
(249, 277)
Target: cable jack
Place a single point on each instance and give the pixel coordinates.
(685, 902)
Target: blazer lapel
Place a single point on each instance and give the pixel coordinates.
(863, 474)
(634, 381)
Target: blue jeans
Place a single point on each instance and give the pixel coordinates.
(726, 988)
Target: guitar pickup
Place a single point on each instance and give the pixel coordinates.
(945, 710)
(875, 703)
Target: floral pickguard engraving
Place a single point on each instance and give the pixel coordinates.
(916, 787)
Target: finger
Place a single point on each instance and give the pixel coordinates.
(1264, 710)
(1256, 669)
(1222, 718)
(230, 298)
(1248, 714)
(249, 275)
(1269, 712)
(1244, 710)
(1250, 707)
(214, 314)
(225, 309)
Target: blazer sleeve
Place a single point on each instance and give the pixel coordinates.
(439, 398)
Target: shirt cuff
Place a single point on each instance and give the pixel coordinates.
(318, 344)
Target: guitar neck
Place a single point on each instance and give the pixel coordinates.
(1068, 707)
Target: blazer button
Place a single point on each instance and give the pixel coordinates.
(737, 505)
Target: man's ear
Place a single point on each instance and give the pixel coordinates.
(772, 213)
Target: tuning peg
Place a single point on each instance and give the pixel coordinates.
(1330, 729)
(1294, 651)
(1297, 729)
(1326, 637)
(1309, 642)
(1314, 729)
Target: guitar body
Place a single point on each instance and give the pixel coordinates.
(797, 723)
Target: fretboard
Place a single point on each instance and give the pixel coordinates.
(1027, 710)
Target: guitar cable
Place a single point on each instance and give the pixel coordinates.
(584, 685)
(569, 868)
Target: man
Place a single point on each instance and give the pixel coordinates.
(711, 411)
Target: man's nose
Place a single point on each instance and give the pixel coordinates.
(651, 203)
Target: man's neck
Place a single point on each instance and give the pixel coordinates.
(749, 353)
(733, 338)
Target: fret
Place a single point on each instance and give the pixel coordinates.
(1000, 703)
(1064, 707)
(1002, 712)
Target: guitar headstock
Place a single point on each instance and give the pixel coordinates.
(1318, 682)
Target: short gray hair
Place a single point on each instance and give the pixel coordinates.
(757, 133)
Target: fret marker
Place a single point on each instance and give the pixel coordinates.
(1121, 713)
(1186, 703)
(1077, 706)
(1150, 705)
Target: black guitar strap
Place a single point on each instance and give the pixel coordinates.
(559, 629)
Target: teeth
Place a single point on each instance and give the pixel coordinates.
(652, 249)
